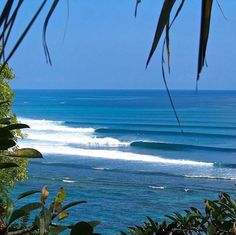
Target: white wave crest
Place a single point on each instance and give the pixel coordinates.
(53, 137)
(78, 138)
(49, 125)
(114, 155)
(55, 131)
(214, 177)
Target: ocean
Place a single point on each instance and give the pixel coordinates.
(123, 152)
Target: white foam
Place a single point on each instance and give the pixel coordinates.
(77, 138)
(211, 177)
(114, 155)
(69, 181)
(55, 131)
(44, 125)
(156, 187)
(101, 168)
(53, 137)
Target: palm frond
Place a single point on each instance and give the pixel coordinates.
(20, 39)
(136, 7)
(162, 22)
(46, 50)
(204, 33)
(8, 16)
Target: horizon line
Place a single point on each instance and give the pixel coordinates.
(121, 89)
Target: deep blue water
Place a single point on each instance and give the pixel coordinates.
(124, 153)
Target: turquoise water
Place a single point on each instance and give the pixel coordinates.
(124, 153)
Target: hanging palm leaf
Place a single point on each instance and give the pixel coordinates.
(204, 34)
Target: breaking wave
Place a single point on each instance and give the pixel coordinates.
(53, 137)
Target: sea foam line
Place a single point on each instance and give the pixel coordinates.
(44, 125)
(210, 177)
(114, 155)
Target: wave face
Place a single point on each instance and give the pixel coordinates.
(53, 137)
(164, 133)
(178, 147)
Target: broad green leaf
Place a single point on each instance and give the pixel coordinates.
(15, 126)
(69, 205)
(61, 195)
(26, 194)
(25, 153)
(9, 211)
(31, 206)
(57, 204)
(63, 215)
(17, 214)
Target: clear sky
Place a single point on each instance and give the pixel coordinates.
(105, 47)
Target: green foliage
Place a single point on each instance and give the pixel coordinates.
(219, 219)
(47, 220)
(11, 175)
(11, 156)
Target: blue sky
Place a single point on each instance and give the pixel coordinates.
(105, 47)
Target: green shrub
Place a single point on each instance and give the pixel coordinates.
(219, 218)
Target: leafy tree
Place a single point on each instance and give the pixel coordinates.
(10, 176)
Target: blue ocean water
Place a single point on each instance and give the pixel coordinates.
(124, 153)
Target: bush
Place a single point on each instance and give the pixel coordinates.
(219, 218)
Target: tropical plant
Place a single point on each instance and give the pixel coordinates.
(13, 160)
(8, 147)
(11, 175)
(219, 218)
(46, 220)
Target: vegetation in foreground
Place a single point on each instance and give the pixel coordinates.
(219, 218)
(10, 176)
